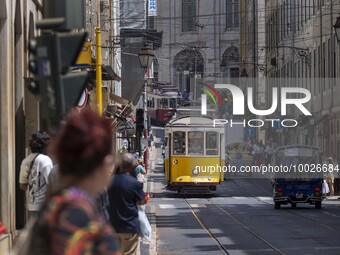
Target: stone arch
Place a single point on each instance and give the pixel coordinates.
(185, 64)
(230, 61)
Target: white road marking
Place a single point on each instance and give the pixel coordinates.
(197, 205)
(166, 206)
(265, 198)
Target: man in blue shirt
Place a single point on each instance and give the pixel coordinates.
(185, 95)
(125, 194)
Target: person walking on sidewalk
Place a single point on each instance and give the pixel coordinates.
(125, 194)
(139, 172)
(70, 222)
(34, 172)
(330, 176)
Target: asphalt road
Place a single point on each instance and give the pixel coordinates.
(238, 219)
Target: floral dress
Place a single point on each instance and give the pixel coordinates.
(76, 227)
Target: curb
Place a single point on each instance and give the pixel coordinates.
(149, 247)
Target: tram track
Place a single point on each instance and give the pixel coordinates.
(206, 228)
(270, 246)
(222, 248)
(277, 250)
(288, 210)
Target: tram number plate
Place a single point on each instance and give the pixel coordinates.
(299, 195)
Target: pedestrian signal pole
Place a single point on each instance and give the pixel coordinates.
(52, 56)
(99, 83)
(139, 128)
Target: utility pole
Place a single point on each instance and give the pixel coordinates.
(99, 91)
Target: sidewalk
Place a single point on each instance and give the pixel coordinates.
(149, 247)
(333, 198)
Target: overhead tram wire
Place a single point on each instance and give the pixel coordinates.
(234, 12)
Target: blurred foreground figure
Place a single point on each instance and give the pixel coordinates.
(70, 222)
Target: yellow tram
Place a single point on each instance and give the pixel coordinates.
(194, 155)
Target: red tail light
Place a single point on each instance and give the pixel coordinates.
(317, 189)
(279, 189)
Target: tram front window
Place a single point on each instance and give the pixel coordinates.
(164, 103)
(179, 143)
(173, 103)
(196, 143)
(212, 145)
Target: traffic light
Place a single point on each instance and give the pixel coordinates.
(33, 84)
(52, 56)
(59, 88)
(140, 120)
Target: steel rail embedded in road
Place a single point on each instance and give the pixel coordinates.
(277, 250)
(212, 235)
(219, 244)
(289, 211)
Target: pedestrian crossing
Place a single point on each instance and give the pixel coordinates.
(229, 200)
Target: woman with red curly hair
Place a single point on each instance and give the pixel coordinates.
(70, 222)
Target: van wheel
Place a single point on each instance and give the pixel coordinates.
(318, 205)
(293, 205)
(277, 205)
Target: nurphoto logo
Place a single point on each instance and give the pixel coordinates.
(239, 105)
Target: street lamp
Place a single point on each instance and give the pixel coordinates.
(146, 56)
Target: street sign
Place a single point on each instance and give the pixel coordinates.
(85, 56)
(83, 100)
(152, 8)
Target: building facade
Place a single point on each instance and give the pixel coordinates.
(302, 51)
(200, 42)
(19, 116)
(109, 11)
(252, 53)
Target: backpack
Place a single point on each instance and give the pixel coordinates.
(36, 238)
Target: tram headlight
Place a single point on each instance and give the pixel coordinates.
(195, 171)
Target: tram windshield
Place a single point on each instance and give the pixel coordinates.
(196, 142)
(179, 143)
(211, 143)
(173, 103)
(164, 103)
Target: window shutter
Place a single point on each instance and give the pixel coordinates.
(229, 13)
(236, 14)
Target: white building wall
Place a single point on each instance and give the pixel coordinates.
(211, 38)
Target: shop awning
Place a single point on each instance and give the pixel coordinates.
(120, 112)
(107, 75)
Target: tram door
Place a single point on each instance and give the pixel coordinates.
(222, 155)
(167, 156)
